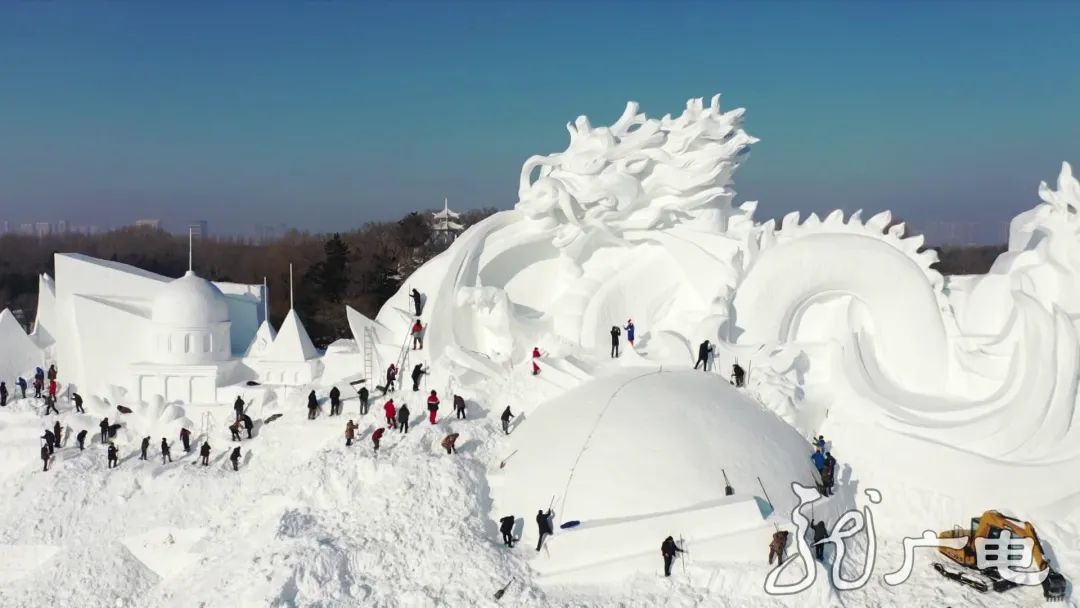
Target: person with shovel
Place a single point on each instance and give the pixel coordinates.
(668, 549)
(543, 523)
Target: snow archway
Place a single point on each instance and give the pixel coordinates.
(893, 288)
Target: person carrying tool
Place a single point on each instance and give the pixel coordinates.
(669, 549)
(418, 335)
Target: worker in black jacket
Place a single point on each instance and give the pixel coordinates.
(543, 523)
(668, 549)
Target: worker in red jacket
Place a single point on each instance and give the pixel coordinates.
(417, 335)
(536, 355)
(376, 436)
(391, 413)
(432, 406)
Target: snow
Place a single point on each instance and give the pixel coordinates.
(292, 343)
(19, 355)
(949, 397)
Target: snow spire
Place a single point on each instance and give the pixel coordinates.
(290, 287)
(266, 301)
(190, 242)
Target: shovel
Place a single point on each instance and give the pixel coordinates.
(501, 592)
(728, 490)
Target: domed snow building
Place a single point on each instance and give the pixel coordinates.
(190, 346)
(115, 326)
(640, 455)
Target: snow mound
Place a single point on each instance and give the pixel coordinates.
(634, 454)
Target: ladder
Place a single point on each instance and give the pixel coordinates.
(370, 355)
(208, 422)
(403, 358)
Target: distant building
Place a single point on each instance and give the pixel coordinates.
(444, 223)
(42, 229)
(27, 229)
(153, 224)
(61, 227)
(5, 227)
(198, 229)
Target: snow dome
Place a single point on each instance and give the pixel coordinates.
(191, 319)
(190, 301)
(639, 455)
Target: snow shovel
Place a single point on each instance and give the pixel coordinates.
(272, 418)
(501, 592)
(503, 463)
(728, 490)
(123, 409)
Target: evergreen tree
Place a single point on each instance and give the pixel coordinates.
(334, 271)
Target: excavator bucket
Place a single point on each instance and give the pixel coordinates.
(1054, 587)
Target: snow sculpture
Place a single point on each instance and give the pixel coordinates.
(19, 355)
(291, 359)
(191, 322)
(790, 270)
(850, 329)
(640, 172)
(117, 325)
(642, 461)
(46, 313)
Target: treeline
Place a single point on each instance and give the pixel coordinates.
(361, 268)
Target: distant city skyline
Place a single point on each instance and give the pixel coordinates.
(322, 116)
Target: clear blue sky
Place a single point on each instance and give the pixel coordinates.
(322, 115)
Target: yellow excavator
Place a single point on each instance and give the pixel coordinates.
(990, 526)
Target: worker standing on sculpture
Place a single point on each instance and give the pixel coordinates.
(418, 335)
(418, 304)
(391, 378)
(615, 333)
(417, 373)
(705, 350)
(543, 524)
(668, 549)
(506, 416)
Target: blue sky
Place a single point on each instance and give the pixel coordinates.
(326, 114)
